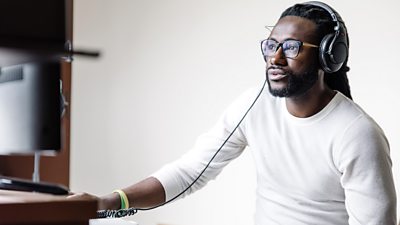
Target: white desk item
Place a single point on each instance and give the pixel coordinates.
(111, 221)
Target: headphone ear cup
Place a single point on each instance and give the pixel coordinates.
(331, 61)
(324, 56)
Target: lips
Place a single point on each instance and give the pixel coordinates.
(275, 74)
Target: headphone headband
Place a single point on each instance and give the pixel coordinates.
(335, 15)
(334, 46)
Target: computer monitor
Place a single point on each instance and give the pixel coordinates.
(33, 38)
(30, 107)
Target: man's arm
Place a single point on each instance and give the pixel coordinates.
(146, 193)
(173, 178)
(365, 164)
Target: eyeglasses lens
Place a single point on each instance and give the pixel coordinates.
(290, 48)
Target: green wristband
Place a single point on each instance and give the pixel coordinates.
(124, 199)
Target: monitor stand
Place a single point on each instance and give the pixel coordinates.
(34, 185)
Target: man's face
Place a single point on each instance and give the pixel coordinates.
(291, 77)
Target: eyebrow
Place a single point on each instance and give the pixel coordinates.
(287, 39)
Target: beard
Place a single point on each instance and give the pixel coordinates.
(297, 84)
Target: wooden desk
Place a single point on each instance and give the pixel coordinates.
(17, 208)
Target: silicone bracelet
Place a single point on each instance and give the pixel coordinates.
(124, 199)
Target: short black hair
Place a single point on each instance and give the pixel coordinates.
(325, 25)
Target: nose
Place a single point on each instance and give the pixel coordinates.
(279, 58)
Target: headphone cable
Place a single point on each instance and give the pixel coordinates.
(132, 211)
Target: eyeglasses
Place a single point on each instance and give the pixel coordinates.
(290, 48)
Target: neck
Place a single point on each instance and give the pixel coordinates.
(311, 102)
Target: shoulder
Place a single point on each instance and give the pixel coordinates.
(358, 122)
(352, 116)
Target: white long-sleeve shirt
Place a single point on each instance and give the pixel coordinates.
(332, 168)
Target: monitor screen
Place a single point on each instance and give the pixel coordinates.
(30, 107)
(33, 35)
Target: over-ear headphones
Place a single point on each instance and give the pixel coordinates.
(334, 47)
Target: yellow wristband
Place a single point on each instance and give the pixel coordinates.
(124, 199)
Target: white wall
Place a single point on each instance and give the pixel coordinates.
(170, 67)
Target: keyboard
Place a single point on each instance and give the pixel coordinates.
(18, 184)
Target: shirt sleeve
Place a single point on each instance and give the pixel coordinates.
(366, 174)
(178, 175)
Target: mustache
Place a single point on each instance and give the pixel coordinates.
(277, 67)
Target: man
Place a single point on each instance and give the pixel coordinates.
(320, 158)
